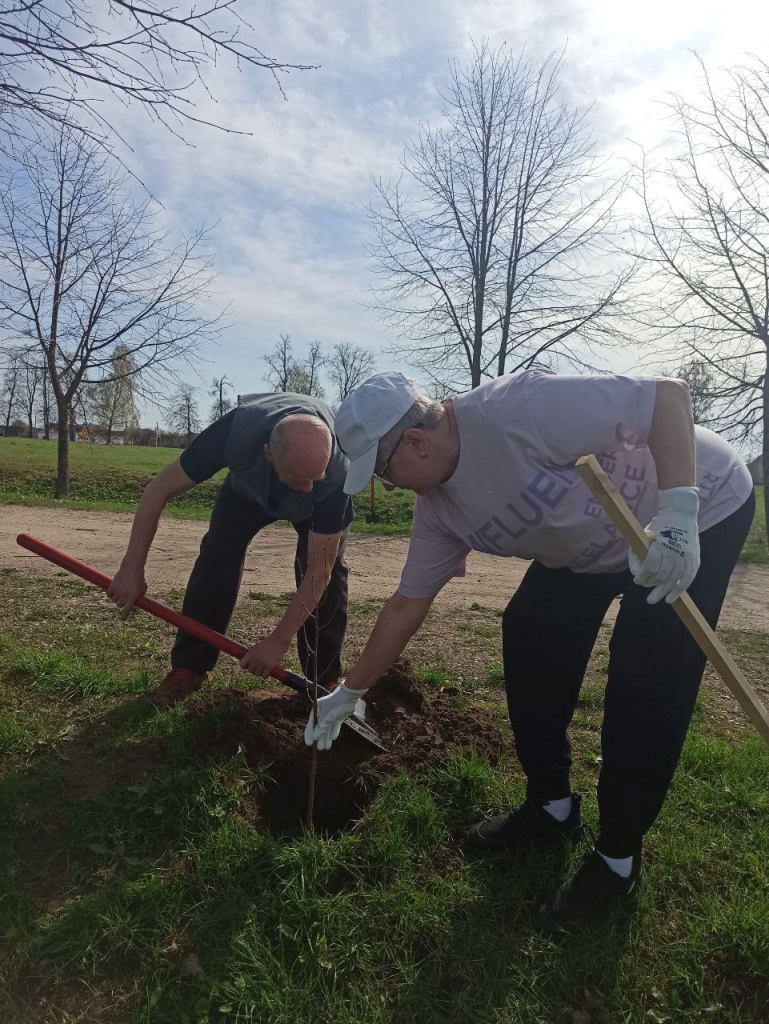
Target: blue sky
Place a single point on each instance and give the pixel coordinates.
(286, 204)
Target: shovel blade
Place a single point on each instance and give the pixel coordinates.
(360, 725)
(359, 721)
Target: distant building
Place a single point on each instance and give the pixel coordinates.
(756, 470)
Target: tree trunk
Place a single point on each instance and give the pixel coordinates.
(71, 425)
(62, 452)
(10, 411)
(475, 366)
(46, 412)
(31, 427)
(765, 448)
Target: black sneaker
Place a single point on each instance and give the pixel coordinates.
(592, 894)
(528, 822)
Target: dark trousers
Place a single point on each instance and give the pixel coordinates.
(213, 589)
(655, 669)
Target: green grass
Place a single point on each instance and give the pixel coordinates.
(159, 901)
(756, 549)
(113, 478)
(107, 477)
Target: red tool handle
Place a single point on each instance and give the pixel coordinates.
(161, 611)
(210, 636)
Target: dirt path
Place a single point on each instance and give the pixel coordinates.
(100, 538)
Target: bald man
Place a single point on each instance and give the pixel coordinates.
(284, 463)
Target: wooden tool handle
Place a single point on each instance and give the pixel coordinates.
(688, 612)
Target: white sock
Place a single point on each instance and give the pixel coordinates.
(621, 866)
(560, 809)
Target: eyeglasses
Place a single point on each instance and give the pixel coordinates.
(381, 474)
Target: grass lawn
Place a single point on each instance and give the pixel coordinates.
(756, 549)
(113, 478)
(161, 901)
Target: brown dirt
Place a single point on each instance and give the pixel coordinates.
(100, 539)
(418, 727)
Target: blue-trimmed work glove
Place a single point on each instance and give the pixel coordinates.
(674, 553)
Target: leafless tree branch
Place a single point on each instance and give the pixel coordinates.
(705, 242)
(494, 245)
(60, 60)
(84, 274)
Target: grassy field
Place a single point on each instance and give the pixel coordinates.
(159, 900)
(756, 549)
(112, 478)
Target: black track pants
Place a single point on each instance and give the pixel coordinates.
(655, 669)
(213, 589)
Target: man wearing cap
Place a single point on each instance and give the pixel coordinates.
(494, 471)
(284, 463)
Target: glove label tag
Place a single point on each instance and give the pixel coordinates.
(675, 540)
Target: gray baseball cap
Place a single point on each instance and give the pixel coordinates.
(364, 417)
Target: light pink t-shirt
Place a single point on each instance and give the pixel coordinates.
(516, 490)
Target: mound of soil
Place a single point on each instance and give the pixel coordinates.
(418, 727)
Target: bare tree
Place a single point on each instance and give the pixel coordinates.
(60, 60)
(12, 377)
(289, 374)
(30, 387)
(348, 367)
(706, 239)
(311, 367)
(111, 402)
(84, 271)
(183, 414)
(46, 398)
(492, 243)
(702, 382)
(280, 362)
(217, 391)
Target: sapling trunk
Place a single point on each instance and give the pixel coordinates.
(314, 680)
(313, 759)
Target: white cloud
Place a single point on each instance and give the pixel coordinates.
(288, 200)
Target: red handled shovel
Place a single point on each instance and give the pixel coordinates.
(355, 722)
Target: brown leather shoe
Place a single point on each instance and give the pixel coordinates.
(178, 684)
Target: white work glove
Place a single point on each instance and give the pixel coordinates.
(674, 553)
(332, 711)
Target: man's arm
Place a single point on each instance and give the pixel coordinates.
(321, 554)
(398, 621)
(129, 583)
(671, 435)
(673, 558)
